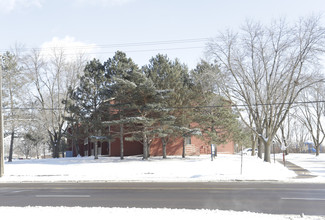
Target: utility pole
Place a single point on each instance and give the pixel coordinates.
(1, 129)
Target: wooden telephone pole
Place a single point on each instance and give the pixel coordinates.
(1, 130)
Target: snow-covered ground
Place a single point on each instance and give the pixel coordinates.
(173, 169)
(55, 213)
(200, 168)
(316, 165)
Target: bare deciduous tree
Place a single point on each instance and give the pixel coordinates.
(52, 78)
(267, 67)
(311, 114)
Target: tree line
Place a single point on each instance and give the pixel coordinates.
(248, 90)
(160, 100)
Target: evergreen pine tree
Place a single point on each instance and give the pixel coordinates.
(88, 99)
(118, 68)
(141, 107)
(137, 100)
(172, 78)
(214, 115)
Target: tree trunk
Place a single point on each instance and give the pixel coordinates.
(62, 149)
(164, 143)
(96, 150)
(145, 146)
(75, 143)
(259, 146)
(27, 153)
(121, 142)
(56, 149)
(183, 153)
(54, 144)
(254, 143)
(76, 146)
(317, 150)
(11, 149)
(55, 154)
(267, 154)
(37, 151)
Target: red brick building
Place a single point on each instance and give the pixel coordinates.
(193, 146)
(107, 148)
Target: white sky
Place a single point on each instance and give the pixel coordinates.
(101, 23)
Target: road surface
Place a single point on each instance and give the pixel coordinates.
(264, 197)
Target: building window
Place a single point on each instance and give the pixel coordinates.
(187, 140)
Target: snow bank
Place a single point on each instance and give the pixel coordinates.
(54, 213)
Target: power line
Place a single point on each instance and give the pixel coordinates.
(246, 105)
(147, 50)
(183, 107)
(139, 51)
(119, 45)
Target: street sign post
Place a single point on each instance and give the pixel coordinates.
(283, 148)
(213, 151)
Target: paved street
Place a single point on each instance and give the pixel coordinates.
(275, 198)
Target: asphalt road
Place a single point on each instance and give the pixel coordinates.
(265, 197)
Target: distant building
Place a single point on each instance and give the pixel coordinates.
(193, 146)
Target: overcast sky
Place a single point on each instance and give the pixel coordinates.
(177, 28)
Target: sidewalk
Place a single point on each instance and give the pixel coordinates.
(301, 172)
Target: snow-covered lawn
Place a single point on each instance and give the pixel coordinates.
(173, 169)
(55, 213)
(316, 165)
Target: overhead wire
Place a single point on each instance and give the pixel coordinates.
(138, 44)
(123, 45)
(181, 107)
